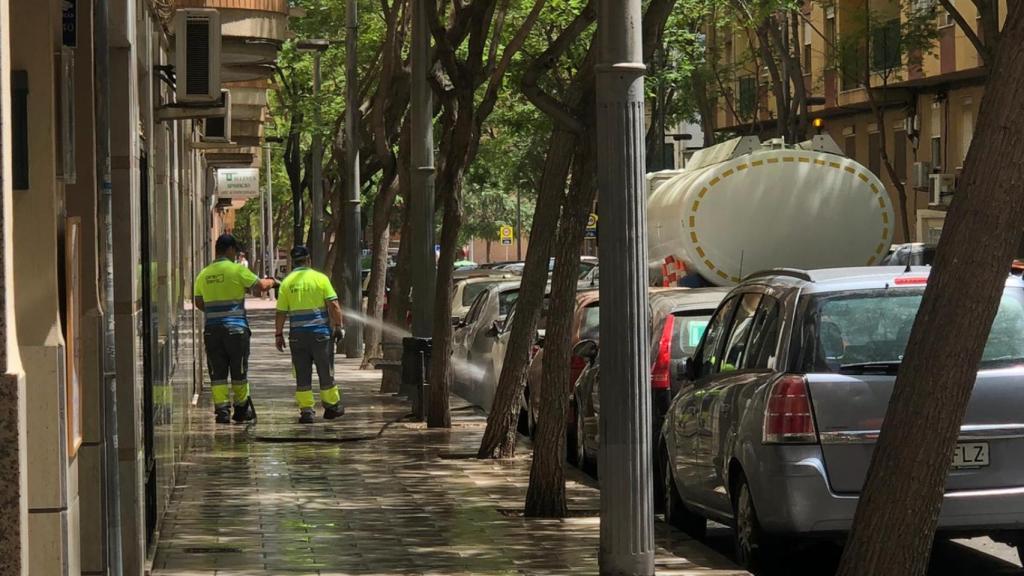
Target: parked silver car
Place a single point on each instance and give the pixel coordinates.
(774, 428)
(465, 290)
(476, 362)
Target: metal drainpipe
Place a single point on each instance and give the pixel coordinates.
(111, 473)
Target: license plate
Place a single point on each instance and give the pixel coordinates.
(970, 455)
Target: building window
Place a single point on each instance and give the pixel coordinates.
(875, 153)
(850, 146)
(748, 95)
(899, 154)
(853, 58)
(830, 40)
(885, 46)
(808, 56)
(937, 153)
(967, 128)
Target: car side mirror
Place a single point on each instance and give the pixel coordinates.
(456, 322)
(689, 370)
(496, 328)
(586, 349)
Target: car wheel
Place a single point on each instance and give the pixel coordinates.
(582, 461)
(676, 512)
(755, 551)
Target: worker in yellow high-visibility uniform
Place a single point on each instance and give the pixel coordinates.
(309, 302)
(220, 291)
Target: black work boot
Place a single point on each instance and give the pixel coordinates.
(306, 417)
(334, 411)
(244, 412)
(223, 416)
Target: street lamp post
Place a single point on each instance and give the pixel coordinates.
(422, 202)
(351, 271)
(627, 513)
(316, 248)
(270, 242)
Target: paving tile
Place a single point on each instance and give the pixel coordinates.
(279, 498)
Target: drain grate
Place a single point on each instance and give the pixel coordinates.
(578, 513)
(213, 550)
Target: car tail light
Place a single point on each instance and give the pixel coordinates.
(661, 373)
(911, 280)
(788, 418)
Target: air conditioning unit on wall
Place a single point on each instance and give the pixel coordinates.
(943, 186)
(218, 128)
(197, 40)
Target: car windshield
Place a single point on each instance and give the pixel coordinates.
(505, 301)
(590, 323)
(470, 291)
(687, 331)
(850, 330)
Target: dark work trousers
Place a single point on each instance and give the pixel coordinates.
(227, 353)
(310, 349)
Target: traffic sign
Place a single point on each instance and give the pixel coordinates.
(506, 235)
(592, 226)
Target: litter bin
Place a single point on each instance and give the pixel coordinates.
(415, 373)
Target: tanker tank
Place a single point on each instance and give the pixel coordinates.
(741, 207)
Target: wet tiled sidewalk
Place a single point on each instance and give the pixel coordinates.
(371, 494)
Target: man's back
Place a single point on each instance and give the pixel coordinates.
(304, 295)
(222, 285)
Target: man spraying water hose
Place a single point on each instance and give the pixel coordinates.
(309, 302)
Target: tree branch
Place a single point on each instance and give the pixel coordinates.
(548, 60)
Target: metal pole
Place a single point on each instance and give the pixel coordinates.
(352, 270)
(111, 465)
(422, 201)
(519, 224)
(270, 244)
(627, 513)
(262, 260)
(316, 249)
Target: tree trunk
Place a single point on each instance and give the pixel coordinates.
(896, 518)
(901, 189)
(382, 210)
(398, 303)
(439, 414)
(499, 439)
(546, 494)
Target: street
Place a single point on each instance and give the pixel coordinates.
(977, 556)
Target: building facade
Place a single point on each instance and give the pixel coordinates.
(928, 96)
(58, 385)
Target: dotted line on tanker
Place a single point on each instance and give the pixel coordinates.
(785, 159)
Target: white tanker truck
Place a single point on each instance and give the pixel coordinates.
(743, 206)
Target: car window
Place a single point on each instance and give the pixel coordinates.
(474, 309)
(505, 301)
(687, 330)
(764, 337)
(739, 332)
(472, 289)
(590, 323)
(707, 357)
(873, 326)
